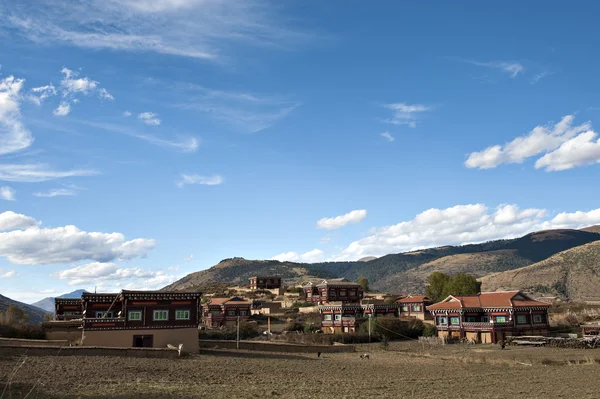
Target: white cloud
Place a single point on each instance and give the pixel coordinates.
(197, 179)
(149, 118)
(386, 135)
(540, 140)
(56, 192)
(7, 274)
(126, 114)
(34, 173)
(325, 240)
(462, 224)
(10, 220)
(13, 134)
(71, 84)
(188, 258)
(316, 255)
(180, 143)
(105, 95)
(63, 109)
(35, 245)
(355, 216)
(406, 114)
(512, 68)
(194, 28)
(580, 150)
(41, 93)
(7, 193)
(97, 272)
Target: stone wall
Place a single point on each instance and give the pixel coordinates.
(32, 342)
(161, 338)
(277, 347)
(88, 351)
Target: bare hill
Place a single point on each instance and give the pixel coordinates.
(573, 274)
(35, 315)
(592, 229)
(403, 272)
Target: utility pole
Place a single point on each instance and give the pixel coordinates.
(238, 333)
(369, 328)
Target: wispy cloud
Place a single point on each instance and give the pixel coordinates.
(149, 118)
(7, 273)
(57, 192)
(387, 136)
(512, 68)
(7, 193)
(316, 255)
(14, 136)
(406, 114)
(126, 114)
(63, 109)
(180, 143)
(33, 173)
(337, 222)
(197, 179)
(194, 28)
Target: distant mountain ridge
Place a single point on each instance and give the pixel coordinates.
(403, 272)
(48, 303)
(35, 314)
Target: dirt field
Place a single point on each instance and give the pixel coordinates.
(407, 370)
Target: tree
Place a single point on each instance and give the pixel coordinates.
(441, 285)
(16, 315)
(364, 283)
(436, 286)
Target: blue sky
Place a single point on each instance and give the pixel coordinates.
(143, 140)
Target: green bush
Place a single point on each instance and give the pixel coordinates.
(429, 331)
(247, 331)
(393, 328)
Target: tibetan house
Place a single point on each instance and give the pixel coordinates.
(343, 317)
(415, 306)
(590, 330)
(338, 291)
(490, 317)
(67, 309)
(265, 283)
(142, 319)
(225, 311)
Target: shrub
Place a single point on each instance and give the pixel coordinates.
(429, 331)
(247, 330)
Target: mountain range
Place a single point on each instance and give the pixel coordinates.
(48, 303)
(407, 272)
(35, 315)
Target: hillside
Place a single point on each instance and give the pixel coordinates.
(36, 315)
(592, 229)
(403, 272)
(47, 304)
(574, 274)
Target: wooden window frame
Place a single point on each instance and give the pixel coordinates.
(539, 317)
(154, 312)
(134, 312)
(189, 314)
(523, 318)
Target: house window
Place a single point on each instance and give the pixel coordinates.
(343, 292)
(442, 320)
(405, 308)
(417, 308)
(454, 320)
(538, 319)
(500, 319)
(338, 317)
(521, 319)
(182, 315)
(327, 317)
(331, 292)
(160, 315)
(243, 313)
(215, 312)
(352, 293)
(485, 319)
(101, 314)
(309, 295)
(470, 319)
(68, 313)
(135, 316)
(261, 281)
(231, 313)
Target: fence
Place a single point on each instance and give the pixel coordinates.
(277, 347)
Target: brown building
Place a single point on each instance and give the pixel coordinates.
(338, 291)
(347, 317)
(489, 317)
(67, 309)
(265, 283)
(415, 306)
(225, 311)
(142, 319)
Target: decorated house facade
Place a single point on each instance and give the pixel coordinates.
(265, 282)
(343, 317)
(490, 317)
(226, 311)
(66, 309)
(142, 319)
(336, 291)
(415, 306)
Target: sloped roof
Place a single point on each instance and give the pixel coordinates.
(413, 299)
(334, 283)
(229, 301)
(501, 299)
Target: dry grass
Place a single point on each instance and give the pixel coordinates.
(407, 370)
